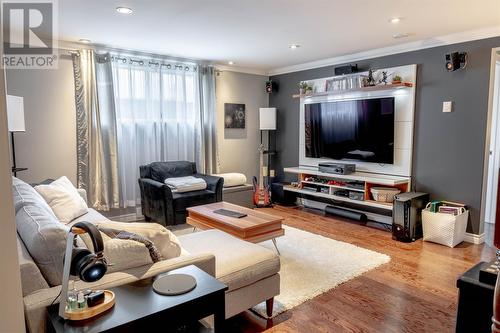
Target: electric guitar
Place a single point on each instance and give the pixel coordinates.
(261, 196)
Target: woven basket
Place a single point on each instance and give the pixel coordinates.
(445, 229)
(384, 194)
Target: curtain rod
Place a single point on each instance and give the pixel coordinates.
(130, 54)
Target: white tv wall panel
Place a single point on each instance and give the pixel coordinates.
(403, 123)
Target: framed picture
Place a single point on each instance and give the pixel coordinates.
(234, 115)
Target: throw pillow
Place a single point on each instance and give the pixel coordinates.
(24, 194)
(64, 199)
(45, 240)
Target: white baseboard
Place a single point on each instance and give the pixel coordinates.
(474, 239)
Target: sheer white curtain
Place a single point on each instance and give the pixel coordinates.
(158, 118)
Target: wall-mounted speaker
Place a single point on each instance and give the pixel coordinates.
(347, 69)
(271, 86)
(455, 61)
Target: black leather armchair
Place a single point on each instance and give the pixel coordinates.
(160, 204)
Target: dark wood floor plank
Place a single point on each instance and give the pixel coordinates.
(415, 292)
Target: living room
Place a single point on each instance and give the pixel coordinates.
(233, 169)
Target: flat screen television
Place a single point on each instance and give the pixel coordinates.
(352, 130)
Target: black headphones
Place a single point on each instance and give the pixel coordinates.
(89, 266)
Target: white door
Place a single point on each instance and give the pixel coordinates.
(494, 161)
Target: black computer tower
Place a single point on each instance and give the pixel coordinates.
(407, 216)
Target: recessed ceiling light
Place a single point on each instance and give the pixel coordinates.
(400, 35)
(230, 62)
(294, 46)
(124, 10)
(395, 20)
(84, 41)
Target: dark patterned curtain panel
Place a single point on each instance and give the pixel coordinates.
(82, 153)
(210, 157)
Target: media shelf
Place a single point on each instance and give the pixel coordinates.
(322, 189)
(334, 186)
(369, 88)
(371, 203)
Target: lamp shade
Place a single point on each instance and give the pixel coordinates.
(267, 118)
(15, 114)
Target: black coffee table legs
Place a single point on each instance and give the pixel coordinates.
(220, 313)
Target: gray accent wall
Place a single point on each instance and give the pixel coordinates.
(448, 147)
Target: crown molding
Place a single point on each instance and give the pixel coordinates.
(400, 48)
(69, 45)
(245, 70)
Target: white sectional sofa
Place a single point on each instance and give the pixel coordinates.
(250, 271)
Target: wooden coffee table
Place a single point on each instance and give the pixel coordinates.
(256, 227)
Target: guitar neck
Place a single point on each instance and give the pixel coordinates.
(261, 167)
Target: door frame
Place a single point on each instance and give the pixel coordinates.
(495, 56)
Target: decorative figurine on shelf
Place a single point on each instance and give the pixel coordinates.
(370, 81)
(383, 80)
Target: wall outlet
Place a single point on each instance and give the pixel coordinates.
(447, 106)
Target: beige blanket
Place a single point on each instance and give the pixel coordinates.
(124, 253)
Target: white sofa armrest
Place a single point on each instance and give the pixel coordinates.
(35, 303)
(83, 194)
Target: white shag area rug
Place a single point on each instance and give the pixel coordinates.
(312, 264)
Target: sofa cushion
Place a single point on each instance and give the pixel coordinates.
(194, 198)
(64, 199)
(163, 170)
(232, 179)
(24, 194)
(238, 263)
(45, 239)
(31, 277)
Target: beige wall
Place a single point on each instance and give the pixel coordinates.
(238, 147)
(48, 147)
(11, 306)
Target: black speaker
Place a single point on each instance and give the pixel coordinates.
(271, 86)
(349, 214)
(282, 197)
(407, 216)
(455, 60)
(347, 69)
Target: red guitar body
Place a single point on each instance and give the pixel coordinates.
(261, 196)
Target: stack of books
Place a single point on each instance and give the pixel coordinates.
(447, 207)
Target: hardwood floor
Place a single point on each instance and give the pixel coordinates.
(415, 292)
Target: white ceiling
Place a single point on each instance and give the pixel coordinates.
(256, 34)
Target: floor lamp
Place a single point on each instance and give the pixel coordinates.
(15, 120)
(267, 122)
